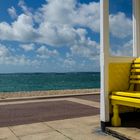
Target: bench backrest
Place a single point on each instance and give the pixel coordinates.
(134, 74)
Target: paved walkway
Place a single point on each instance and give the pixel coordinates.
(84, 128)
(128, 133)
(32, 111)
(130, 128)
(73, 119)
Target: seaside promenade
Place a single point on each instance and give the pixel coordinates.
(65, 118)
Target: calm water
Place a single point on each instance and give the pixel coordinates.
(48, 81)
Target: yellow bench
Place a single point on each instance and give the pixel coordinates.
(130, 98)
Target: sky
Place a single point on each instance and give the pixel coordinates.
(60, 35)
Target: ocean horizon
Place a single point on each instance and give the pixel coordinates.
(40, 81)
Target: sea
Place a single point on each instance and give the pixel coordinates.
(15, 82)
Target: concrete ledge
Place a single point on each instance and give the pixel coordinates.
(45, 97)
(130, 129)
(109, 131)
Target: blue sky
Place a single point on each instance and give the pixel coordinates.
(59, 35)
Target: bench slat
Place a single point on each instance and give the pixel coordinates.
(126, 101)
(137, 61)
(133, 94)
(136, 66)
(134, 82)
(134, 76)
(135, 70)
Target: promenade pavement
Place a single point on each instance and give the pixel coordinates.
(73, 118)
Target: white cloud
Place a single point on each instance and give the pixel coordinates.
(28, 47)
(86, 48)
(7, 58)
(85, 52)
(88, 16)
(56, 26)
(59, 18)
(57, 35)
(4, 52)
(59, 11)
(44, 52)
(85, 15)
(72, 13)
(12, 12)
(20, 30)
(62, 24)
(125, 50)
(57, 21)
(69, 63)
(120, 25)
(24, 8)
(21, 60)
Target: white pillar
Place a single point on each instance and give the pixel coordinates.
(104, 56)
(136, 28)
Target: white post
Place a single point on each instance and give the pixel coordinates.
(104, 56)
(136, 28)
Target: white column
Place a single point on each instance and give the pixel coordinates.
(136, 28)
(104, 55)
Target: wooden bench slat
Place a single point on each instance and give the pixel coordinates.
(136, 60)
(127, 99)
(136, 66)
(134, 81)
(135, 70)
(133, 94)
(134, 76)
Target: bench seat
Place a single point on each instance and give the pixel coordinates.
(133, 94)
(117, 100)
(125, 101)
(130, 98)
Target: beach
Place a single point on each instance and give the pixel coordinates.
(5, 95)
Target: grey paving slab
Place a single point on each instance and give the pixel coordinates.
(21, 130)
(127, 132)
(45, 136)
(93, 137)
(77, 122)
(87, 121)
(84, 128)
(86, 133)
(6, 134)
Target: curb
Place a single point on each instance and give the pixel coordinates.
(116, 134)
(45, 97)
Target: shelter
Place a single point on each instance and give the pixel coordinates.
(115, 70)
